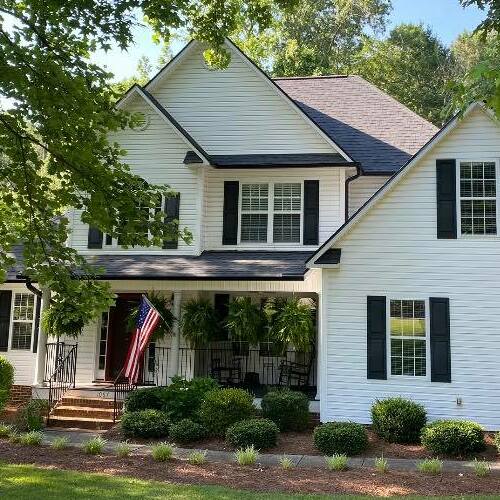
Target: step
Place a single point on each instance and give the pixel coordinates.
(80, 422)
(82, 411)
(88, 402)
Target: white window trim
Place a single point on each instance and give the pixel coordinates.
(12, 321)
(458, 197)
(271, 212)
(427, 376)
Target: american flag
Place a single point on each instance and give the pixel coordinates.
(146, 323)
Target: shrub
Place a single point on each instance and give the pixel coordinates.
(224, 407)
(32, 438)
(337, 462)
(398, 420)
(187, 431)
(6, 381)
(453, 437)
(197, 457)
(15, 436)
(259, 432)
(184, 397)
(247, 456)
(5, 430)
(31, 416)
(381, 464)
(430, 466)
(151, 398)
(60, 443)
(496, 441)
(481, 468)
(145, 424)
(289, 410)
(94, 446)
(340, 437)
(162, 452)
(123, 449)
(286, 463)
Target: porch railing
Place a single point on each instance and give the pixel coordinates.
(55, 353)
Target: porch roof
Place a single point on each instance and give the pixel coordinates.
(210, 265)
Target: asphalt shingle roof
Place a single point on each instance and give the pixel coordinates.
(375, 129)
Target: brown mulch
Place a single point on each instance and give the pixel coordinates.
(357, 481)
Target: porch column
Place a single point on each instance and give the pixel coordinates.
(42, 341)
(173, 358)
(319, 345)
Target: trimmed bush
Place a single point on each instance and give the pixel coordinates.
(398, 420)
(145, 424)
(224, 407)
(453, 437)
(345, 438)
(183, 397)
(31, 416)
(262, 433)
(187, 431)
(151, 398)
(289, 410)
(6, 381)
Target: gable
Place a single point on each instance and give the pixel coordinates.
(235, 110)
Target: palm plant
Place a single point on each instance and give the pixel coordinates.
(245, 320)
(199, 322)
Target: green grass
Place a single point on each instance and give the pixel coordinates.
(26, 482)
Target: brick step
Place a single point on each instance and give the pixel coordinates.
(87, 402)
(80, 422)
(82, 411)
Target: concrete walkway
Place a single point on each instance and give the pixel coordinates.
(77, 437)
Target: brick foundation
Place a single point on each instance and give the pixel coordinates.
(19, 395)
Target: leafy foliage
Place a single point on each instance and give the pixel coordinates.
(31, 416)
(337, 462)
(94, 446)
(162, 452)
(60, 443)
(245, 320)
(32, 438)
(432, 466)
(247, 456)
(288, 409)
(6, 381)
(123, 449)
(187, 431)
(197, 457)
(199, 322)
(259, 432)
(145, 424)
(150, 398)
(398, 420)
(346, 438)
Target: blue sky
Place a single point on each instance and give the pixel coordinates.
(446, 18)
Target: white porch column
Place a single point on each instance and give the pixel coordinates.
(319, 345)
(173, 358)
(42, 341)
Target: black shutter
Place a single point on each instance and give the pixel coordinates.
(221, 306)
(37, 323)
(230, 213)
(440, 339)
(311, 213)
(376, 338)
(94, 238)
(5, 303)
(446, 199)
(172, 213)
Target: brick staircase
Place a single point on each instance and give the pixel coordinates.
(79, 411)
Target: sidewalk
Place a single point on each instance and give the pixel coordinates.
(77, 437)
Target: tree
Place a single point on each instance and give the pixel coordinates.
(144, 71)
(411, 65)
(56, 115)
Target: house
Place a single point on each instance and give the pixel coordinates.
(321, 187)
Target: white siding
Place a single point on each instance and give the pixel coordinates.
(234, 110)
(156, 154)
(331, 201)
(393, 251)
(362, 189)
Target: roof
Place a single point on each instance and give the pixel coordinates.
(331, 256)
(279, 160)
(375, 129)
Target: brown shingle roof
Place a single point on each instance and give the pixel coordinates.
(375, 129)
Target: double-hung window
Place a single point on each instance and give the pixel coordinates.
(478, 197)
(408, 337)
(287, 212)
(254, 212)
(23, 316)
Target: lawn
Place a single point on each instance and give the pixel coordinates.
(26, 482)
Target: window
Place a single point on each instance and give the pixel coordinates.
(478, 211)
(287, 213)
(254, 212)
(408, 337)
(103, 340)
(23, 315)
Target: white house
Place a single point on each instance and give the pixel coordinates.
(267, 171)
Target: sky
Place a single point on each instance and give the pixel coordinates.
(446, 18)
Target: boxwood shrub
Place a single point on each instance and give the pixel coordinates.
(398, 420)
(345, 438)
(151, 398)
(187, 431)
(289, 410)
(222, 408)
(145, 424)
(6, 381)
(453, 437)
(262, 433)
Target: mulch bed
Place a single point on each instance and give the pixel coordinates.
(356, 481)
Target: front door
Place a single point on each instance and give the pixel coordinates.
(119, 334)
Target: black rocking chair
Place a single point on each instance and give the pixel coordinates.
(229, 373)
(295, 374)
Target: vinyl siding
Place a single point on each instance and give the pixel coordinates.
(234, 110)
(393, 251)
(361, 189)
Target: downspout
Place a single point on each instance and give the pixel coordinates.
(29, 285)
(346, 192)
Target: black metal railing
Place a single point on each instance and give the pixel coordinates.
(55, 353)
(121, 389)
(63, 376)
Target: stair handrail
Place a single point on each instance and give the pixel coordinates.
(121, 386)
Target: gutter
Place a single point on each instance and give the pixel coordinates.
(346, 190)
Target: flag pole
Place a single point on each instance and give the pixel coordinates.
(156, 309)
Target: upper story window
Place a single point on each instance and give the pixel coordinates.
(478, 198)
(23, 316)
(283, 213)
(408, 333)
